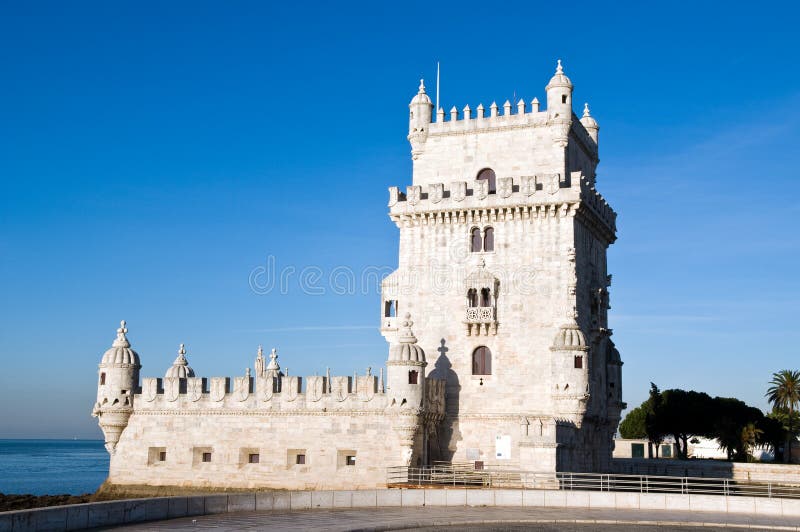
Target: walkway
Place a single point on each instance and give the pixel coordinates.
(474, 519)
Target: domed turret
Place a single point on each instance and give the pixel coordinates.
(180, 368)
(589, 123)
(406, 348)
(117, 384)
(419, 119)
(569, 338)
(559, 94)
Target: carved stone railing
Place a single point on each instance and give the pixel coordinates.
(481, 321)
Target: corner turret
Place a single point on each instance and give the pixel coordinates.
(180, 368)
(569, 371)
(118, 381)
(405, 374)
(419, 119)
(589, 123)
(559, 94)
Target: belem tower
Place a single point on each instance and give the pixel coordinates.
(496, 319)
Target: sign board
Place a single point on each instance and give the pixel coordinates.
(502, 445)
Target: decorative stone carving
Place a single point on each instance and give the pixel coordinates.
(414, 194)
(528, 186)
(241, 387)
(218, 388)
(194, 388)
(394, 196)
(149, 389)
(340, 387)
(315, 387)
(291, 388)
(458, 190)
(436, 192)
(481, 188)
(264, 388)
(505, 186)
(550, 183)
(172, 388)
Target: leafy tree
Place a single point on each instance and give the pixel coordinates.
(773, 433)
(653, 425)
(750, 437)
(731, 417)
(685, 414)
(634, 426)
(784, 394)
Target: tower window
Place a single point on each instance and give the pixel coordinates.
(206, 457)
(390, 309)
(486, 297)
(102, 378)
(413, 377)
(477, 241)
(578, 362)
(563, 98)
(162, 456)
(488, 175)
(472, 297)
(488, 239)
(300, 459)
(253, 458)
(482, 361)
(350, 460)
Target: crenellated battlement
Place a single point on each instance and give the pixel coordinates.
(523, 197)
(468, 119)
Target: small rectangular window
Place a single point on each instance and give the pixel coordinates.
(253, 458)
(162, 456)
(578, 362)
(412, 377)
(563, 98)
(478, 465)
(350, 460)
(206, 457)
(102, 378)
(300, 459)
(156, 455)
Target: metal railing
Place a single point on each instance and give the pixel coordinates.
(466, 475)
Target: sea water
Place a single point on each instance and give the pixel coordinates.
(52, 467)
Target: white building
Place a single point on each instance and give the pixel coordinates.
(502, 263)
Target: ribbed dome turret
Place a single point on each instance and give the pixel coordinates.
(569, 338)
(559, 79)
(406, 348)
(421, 96)
(587, 119)
(120, 352)
(180, 368)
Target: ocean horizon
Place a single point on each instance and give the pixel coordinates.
(52, 467)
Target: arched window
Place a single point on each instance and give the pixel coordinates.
(488, 239)
(488, 175)
(486, 297)
(472, 297)
(482, 361)
(477, 241)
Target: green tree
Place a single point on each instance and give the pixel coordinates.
(634, 426)
(653, 424)
(773, 433)
(731, 416)
(684, 414)
(750, 437)
(784, 394)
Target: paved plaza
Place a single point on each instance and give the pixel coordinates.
(474, 519)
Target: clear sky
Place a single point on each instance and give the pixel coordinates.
(154, 154)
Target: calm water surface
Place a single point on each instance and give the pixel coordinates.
(52, 467)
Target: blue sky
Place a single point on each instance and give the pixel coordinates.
(152, 155)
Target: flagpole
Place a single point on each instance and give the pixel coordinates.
(437, 89)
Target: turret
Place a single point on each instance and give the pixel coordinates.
(405, 373)
(118, 379)
(419, 120)
(559, 94)
(569, 371)
(180, 368)
(589, 123)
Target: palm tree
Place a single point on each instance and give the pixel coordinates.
(784, 394)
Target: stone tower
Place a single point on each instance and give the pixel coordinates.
(503, 241)
(118, 381)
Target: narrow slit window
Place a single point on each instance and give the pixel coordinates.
(472, 297)
(206, 457)
(578, 362)
(486, 297)
(413, 377)
(102, 378)
(162, 456)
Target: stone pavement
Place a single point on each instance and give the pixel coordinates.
(474, 519)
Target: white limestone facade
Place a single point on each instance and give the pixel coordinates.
(502, 264)
(503, 241)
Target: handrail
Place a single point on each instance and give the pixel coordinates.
(447, 474)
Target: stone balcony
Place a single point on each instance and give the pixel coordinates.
(481, 321)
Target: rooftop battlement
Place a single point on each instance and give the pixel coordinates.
(523, 196)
